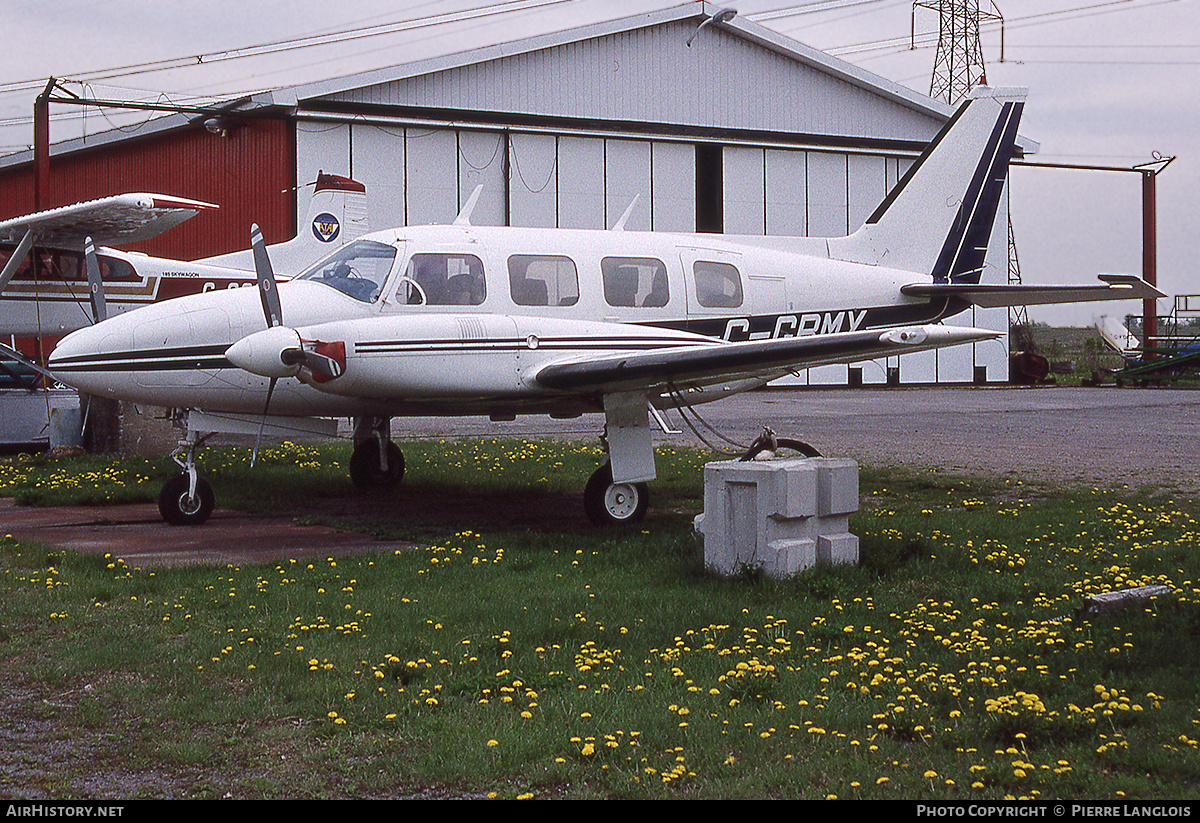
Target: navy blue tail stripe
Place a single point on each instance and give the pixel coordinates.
(961, 257)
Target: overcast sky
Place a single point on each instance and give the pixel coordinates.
(1110, 83)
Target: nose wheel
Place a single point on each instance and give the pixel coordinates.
(611, 504)
(181, 505)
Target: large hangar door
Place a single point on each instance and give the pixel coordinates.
(826, 194)
(745, 199)
(627, 175)
(320, 146)
(787, 192)
(581, 183)
(378, 156)
(533, 180)
(431, 164)
(866, 186)
(481, 162)
(673, 175)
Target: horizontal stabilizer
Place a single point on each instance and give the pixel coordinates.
(707, 364)
(1116, 287)
(109, 221)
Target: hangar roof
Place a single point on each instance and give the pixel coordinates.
(735, 75)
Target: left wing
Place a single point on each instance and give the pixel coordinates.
(122, 218)
(1116, 287)
(709, 363)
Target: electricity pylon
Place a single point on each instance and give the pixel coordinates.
(957, 67)
(958, 64)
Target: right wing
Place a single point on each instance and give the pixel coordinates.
(122, 218)
(708, 363)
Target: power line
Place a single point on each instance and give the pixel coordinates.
(895, 45)
(814, 7)
(292, 44)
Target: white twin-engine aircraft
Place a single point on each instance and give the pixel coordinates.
(45, 267)
(467, 320)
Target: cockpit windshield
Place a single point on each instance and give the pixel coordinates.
(358, 269)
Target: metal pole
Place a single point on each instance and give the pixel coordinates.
(41, 148)
(1149, 254)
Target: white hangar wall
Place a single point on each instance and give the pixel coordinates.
(801, 150)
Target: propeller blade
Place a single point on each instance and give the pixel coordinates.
(263, 424)
(267, 288)
(95, 284)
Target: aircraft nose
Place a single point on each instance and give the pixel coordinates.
(85, 359)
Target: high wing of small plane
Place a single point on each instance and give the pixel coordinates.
(44, 282)
(123, 218)
(465, 320)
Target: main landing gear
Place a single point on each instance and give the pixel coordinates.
(612, 504)
(376, 462)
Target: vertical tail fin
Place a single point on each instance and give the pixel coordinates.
(337, 214)
(938, 219)
(342, 199)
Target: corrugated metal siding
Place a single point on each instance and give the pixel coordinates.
(651, 75)
(249, 174)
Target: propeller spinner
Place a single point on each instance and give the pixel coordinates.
(278, 350)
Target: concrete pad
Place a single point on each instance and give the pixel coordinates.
(137, 534)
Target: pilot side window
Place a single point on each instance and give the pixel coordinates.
(543, 280)
(52, 264)
(634, 281)
(442, 280)
(718, 285)
(358, 269)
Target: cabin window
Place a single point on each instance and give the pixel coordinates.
(113, 269)
(543, 280)
(52, 264)
(61, 265)
(358, 269)
(718, 285)
(442, 280)
(634, 281)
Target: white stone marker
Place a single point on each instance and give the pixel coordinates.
(779, 516)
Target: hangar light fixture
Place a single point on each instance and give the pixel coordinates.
(219, 125)
(722, 16)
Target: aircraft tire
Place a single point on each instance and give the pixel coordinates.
(180, 509)
(364, 466)
(614, 504)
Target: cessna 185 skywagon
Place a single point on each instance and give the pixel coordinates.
(44, 266)
(467, 320)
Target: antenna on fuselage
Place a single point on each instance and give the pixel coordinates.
(620, 224)
(464, 216)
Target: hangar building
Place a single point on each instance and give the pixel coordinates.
(742, 131)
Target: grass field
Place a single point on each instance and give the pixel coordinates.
(566, 661)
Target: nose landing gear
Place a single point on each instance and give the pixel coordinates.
(186, 499)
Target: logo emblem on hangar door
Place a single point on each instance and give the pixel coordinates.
(325, 227)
